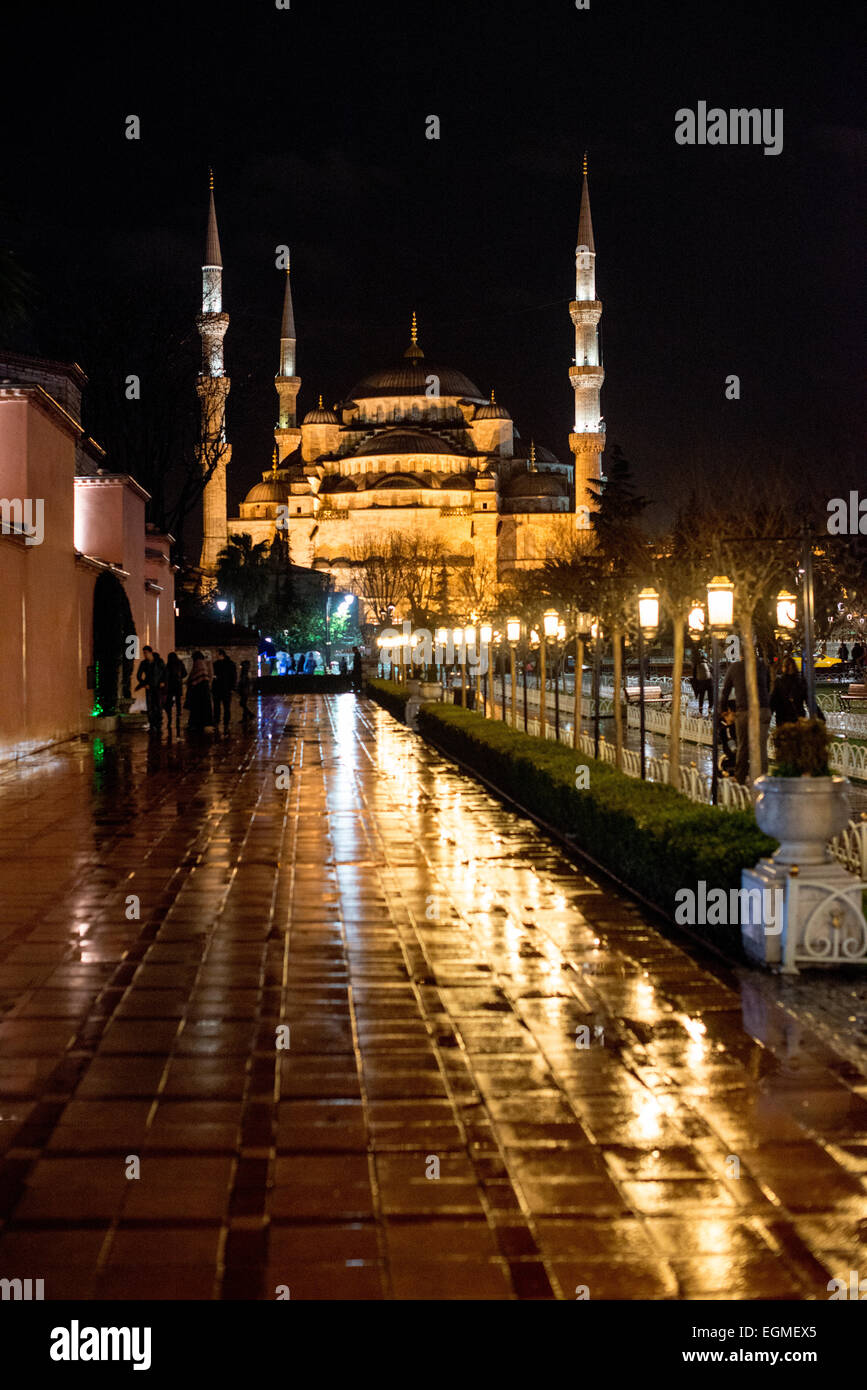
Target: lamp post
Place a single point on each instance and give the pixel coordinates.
(486, 633)
(502, 680)
(560, 651)
(459, 637)
(524, 655)
(550, 623)
(596, 634)
(648, 623)
(582, 629)
(808, 670)
(720, 617)
(513, 634)
(441, 638)
(470, 641)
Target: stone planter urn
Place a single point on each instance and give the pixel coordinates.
(807, 905)
(430, 690)
(105, 724)
(803, 813)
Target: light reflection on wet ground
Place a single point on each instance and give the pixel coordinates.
(436, 959)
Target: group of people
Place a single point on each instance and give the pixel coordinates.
(208, 695)
(785, 700)
(854, 660)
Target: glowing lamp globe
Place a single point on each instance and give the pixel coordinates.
(787, 610)
(648, 610)
(720, 604)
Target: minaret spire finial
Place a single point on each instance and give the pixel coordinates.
(585, 164)
(210, 178)
(493, 402)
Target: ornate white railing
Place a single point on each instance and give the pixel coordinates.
(853, 725)
(849, 759)
(850, 847)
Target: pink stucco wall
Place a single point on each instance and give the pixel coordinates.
(46, 590)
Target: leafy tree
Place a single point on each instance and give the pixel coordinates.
(244, 574)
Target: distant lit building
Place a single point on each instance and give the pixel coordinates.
(414, 447)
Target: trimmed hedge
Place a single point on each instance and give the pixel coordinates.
(390, 694)
(649, 836)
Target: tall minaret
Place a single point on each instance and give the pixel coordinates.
(213, 388)
(588, 440)
(287, 434)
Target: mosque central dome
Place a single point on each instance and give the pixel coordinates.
(412, 378)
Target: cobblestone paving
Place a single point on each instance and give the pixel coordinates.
(432, 1131)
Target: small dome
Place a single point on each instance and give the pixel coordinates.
(491, 411)
(320, 416)
(535, 485)
(458, 480)
(406, 441)
(271, 490)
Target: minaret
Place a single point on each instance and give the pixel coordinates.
(213, 388)
(287, 433)
(588, 439)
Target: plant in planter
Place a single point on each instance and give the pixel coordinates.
(803, 804)
(801, 749)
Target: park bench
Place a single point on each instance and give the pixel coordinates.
(653, 695)
(856, 692)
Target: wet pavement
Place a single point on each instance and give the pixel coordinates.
(172, 916)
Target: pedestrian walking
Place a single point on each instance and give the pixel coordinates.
(198, 697)
(176, 673)
(244, 691)
(225, 679)
(857, 660)
(727, 740)
(356, 670)
(789, 695)
(150, 677)
(736, 682)
(844, 654)
(702, 683)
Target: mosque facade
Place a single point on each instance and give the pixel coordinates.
(414, 448)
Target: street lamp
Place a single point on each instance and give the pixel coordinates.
(469, 641)
(596, 634)
(441, 637)
(513, 635)
(720, 619)
(695, 620)
(459, 648)
(583, 622)
(550, 623)
(787, 610)
(648, 623)
(486, 633)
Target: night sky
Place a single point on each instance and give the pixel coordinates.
(711, 260)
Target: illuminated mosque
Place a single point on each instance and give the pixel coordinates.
(414, 448)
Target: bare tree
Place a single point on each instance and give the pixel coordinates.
(423, 558)
(379, 571)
